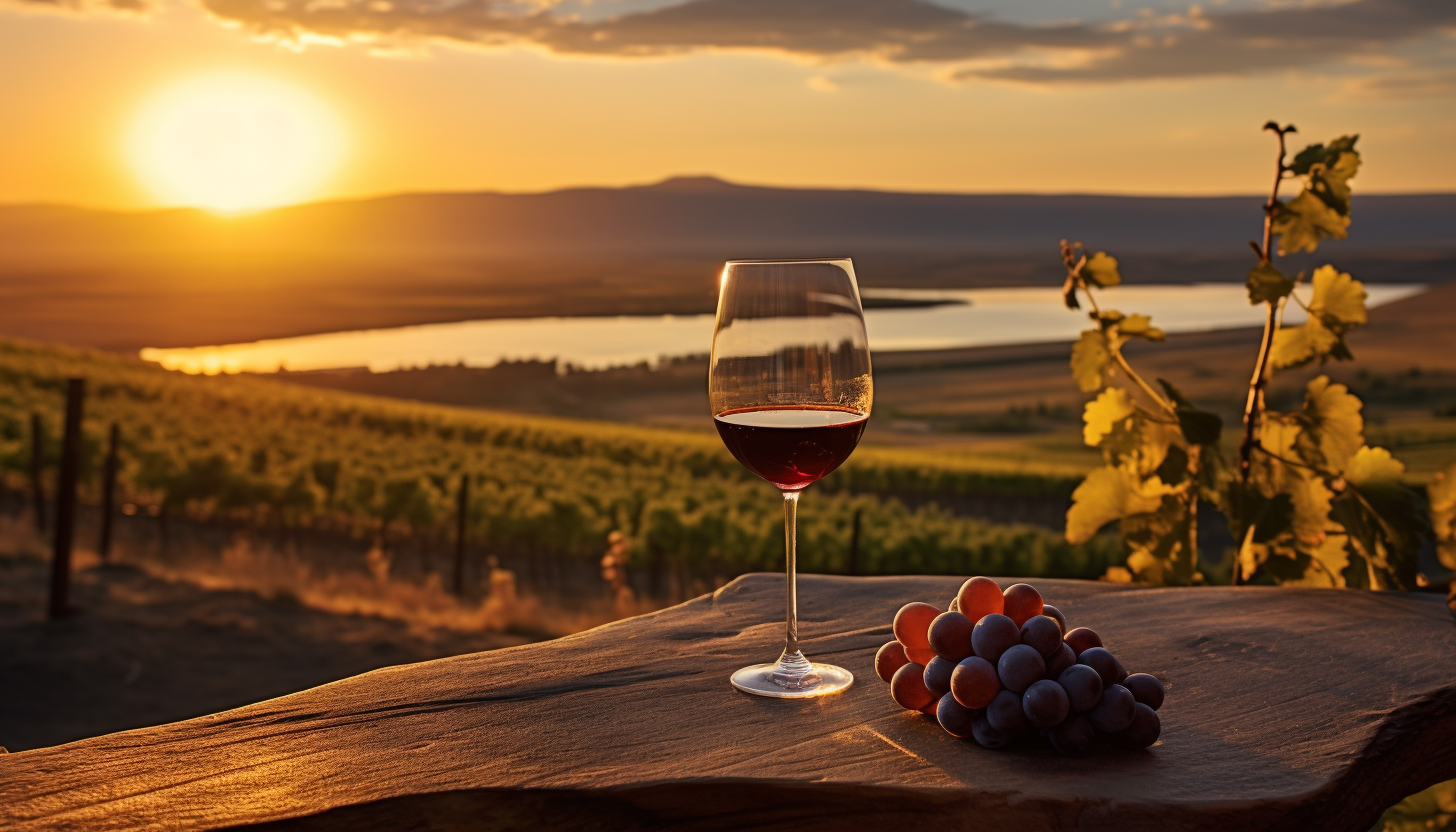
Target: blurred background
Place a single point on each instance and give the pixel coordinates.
(393, 316)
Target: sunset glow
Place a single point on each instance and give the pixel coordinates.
(234, 142)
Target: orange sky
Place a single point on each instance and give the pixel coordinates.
(625, 91)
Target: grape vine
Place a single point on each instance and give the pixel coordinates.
(1307, 501)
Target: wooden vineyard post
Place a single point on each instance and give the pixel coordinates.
(852, 562)
(108, 493)
(37, 465)
(66, 499)
(461, 515)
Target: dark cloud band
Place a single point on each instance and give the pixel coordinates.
(894, 31)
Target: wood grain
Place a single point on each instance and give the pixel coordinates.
(1287, 708)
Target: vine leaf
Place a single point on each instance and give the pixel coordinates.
(1139, 326)
(1111, 407)
(1091, 360)
(1337, 306)
(1101, 270)
(1381, 517)
(1267, 284)
(1305, 220)
(1442, 495)
(1199, 426)
(1332, 427)
(1110, 493)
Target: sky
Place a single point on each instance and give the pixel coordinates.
(1044, 96)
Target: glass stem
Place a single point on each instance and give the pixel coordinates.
(792, 657)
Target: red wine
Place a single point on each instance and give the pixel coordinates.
(791, 447)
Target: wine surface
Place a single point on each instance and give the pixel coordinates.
(791, 447)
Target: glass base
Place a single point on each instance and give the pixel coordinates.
(792, 677)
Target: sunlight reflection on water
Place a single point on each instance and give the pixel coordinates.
(984, 317)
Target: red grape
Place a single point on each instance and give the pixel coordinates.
(1100, 660)
(994, 634)
(954, 717)
(1144, 729)
(1045, 704)
(1060, 660)
(979, 597)
(920, 655)
(890, 659)
(912, 625)
(1146, 689)
(1073, 736)
(1082, 639)
(1042, 634)
(1022, 601)
(1056, 615)
(1019, 667)
(907, 687)
(974, 682)
(950, 636)
(1083, 687)
(987, 735)
(1115, 711)
(1005, 714)
(937, 676)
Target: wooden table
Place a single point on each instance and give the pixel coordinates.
(1287, 709)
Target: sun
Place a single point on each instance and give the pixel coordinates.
(233, 142)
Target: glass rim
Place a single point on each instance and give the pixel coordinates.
(788, 260)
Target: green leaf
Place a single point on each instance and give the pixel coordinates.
(1305, 220)
(1139, 326)
(1101, 270)
(1110, 408)
(1333, 429)
(1267, 284)
(1110, 493)
(1320, 154)
(1381, 518)
(1441, 492)
(1331, 181)
(1091, 361)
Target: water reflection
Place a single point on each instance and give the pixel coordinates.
(976, 317)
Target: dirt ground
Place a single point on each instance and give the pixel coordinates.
(139, 650)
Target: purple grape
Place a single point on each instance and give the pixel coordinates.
(993, 635)
(1083, 687)
(1102, 661)
(950, 636)
(1042, 634)
(1060, 660)
(954, 717)
(1115, 711)
(1019, 667)
(1073, 736)
(974, 683)
(1146, 689)
(1056, 615)
(1005, 714)
(987, 735)
(1045, 704)
(937, 676)
(1143, 731)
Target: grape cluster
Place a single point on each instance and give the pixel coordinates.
(1002, 664)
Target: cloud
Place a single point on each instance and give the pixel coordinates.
(898, 32)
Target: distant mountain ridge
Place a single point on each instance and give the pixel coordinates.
(183, 277)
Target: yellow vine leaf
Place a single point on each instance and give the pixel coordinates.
(1101, 270)
(1338, 296)
(1110, 493)
(1305, 220)
(1333, 429)
(1091, 360)
(1103, 413)
(1442, 495)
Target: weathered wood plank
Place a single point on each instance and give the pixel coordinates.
(1286, 708)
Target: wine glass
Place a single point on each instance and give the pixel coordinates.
(790, 389)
